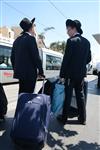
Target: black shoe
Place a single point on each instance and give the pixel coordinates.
(81, 121)
(84, 123)
(98, 86)
(62, 119)
(2, 118)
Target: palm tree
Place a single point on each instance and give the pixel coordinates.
(42, 37)
(58, 46)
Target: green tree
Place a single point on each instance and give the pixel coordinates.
(58, 46)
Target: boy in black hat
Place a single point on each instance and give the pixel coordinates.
(25, 58)
(73, 70)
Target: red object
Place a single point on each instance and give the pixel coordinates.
(8, 74)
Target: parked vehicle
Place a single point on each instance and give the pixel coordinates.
(51, 61)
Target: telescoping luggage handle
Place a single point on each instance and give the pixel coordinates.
(44, 117)
(43, 84)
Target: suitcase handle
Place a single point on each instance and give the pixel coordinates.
(43, 84)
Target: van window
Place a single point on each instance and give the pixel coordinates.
(5, 53)
(53, 62)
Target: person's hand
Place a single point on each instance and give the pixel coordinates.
(62, 80)
(41, 76)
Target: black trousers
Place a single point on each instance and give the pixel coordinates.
(80, 98)
(27, 86)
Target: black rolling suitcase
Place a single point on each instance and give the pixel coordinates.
(3, 101)
(49, 86)
(73, 112)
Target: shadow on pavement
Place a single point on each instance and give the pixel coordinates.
(83, 145)
(5, 141)
(58, 129)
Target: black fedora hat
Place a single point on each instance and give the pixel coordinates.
(74, 23)
(26, 24)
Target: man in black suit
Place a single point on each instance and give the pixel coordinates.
(73, 70)
(25, 58)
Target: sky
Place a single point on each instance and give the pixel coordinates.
(55, 15)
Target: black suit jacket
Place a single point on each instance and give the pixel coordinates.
(77, 56)
(25, 58)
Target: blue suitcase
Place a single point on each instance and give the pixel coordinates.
(30, 124)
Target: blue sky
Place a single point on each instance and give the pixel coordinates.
(87, 11)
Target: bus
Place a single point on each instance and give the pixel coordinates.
(51, 61)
